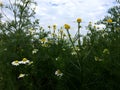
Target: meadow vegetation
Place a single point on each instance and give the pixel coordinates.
(32, 58)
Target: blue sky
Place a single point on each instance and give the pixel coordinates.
(67, 11)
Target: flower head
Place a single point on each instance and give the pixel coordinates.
(15, 63)
(94, 27)
(79, 20)
(109, 20)
(1, 4)
(64, 34)
(58, 73)
(45, 45)
(67, 26)
(77, 48)
(90, 23)
(97, 59)
(53, 34)
(21, 75)
(61, 31)
(74, 53)
(54, 26)
(49, 27)
(43, 40)
(31, 62)
(34, 51)
(106, 51)
(24, 61)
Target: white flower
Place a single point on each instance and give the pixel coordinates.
(44, 45)
(106, 51)
(31, 62)
(97, 59)
(58, 73)
(43, 40)
(24, 61)
(34, 51)
(15, 63)
(77, 48)
(56, 59)
(104, 34)
(21, 75)
(74, 53)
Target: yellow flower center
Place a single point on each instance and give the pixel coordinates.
(16, 61)
(79, 20)
(109, 20)
(94, 27)
(67, 26)
(43, 39)
(54, 26)
(24, 59)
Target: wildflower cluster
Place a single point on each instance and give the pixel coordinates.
(34, 51)
(23, 61)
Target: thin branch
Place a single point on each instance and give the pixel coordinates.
(5, 15)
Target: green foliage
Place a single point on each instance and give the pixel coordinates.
(33, 59)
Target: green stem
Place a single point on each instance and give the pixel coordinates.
(78, 56)
(80, 63)
(79, 43)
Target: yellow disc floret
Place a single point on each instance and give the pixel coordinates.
(54, 26)
(109, 20)
(79, 20)
(67, 26)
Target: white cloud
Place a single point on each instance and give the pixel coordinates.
(66, 11)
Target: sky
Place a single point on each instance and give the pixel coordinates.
(67, 11)
(60, 12)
